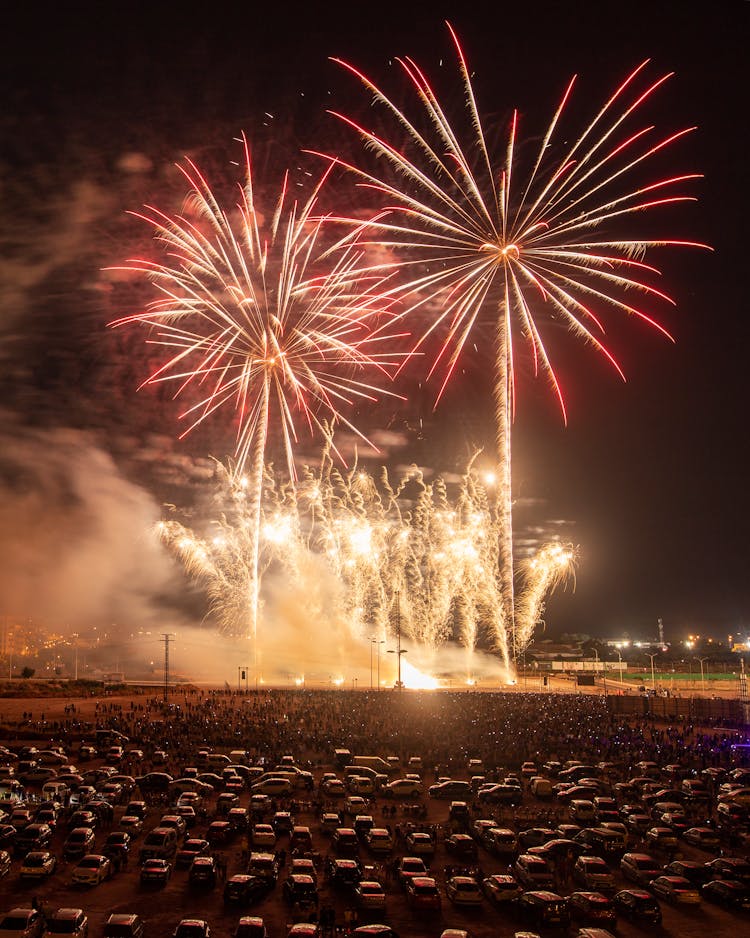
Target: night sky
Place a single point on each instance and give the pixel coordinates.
(99, 101)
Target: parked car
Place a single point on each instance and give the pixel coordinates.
(192, 928)
(735, 868)
(379, 841)
(275, 787)
(533, 872)
(67, 923)
(192, 848)
(462, 846)
(341, 871)
(264, 865)
(500, 841)
(301, 891)
(422, 893)
(403, 788)
(676, 889)
(156, 872)
(370, 895)
(250, 926)
(419, 844)
(203, 872)
(78, 843)
(728, 893)
(408, 867)
(640, 868)
(123, 925)
(544, 909)
(637, 905)
(593, 873)
(463, 890)
(243, 889)
(117, 847)
(693, 871)
(35, 836)
(661, 838)
(450, 788)
(22, 923)
(345, 842)
(501, 888)
(263, 835)
(500, 794)
(592, 908)
(704, 837)
(38, 864)
(91, 870)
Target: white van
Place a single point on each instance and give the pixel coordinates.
(376, 763)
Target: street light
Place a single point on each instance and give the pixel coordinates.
(703, 679)
(653, 679)
(378, 642)
(619, 659)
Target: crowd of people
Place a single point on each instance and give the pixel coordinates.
(500, 729)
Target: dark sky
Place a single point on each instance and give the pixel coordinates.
(650, 476)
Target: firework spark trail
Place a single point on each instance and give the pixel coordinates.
(250, 317)
(477, 238)
(408, 544)
(540, 574)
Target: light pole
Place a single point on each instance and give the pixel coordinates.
(399, 651)
(378, 643)
(703, 679)
(619, 659)
(653, 678)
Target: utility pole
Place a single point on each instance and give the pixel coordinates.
(166, 637)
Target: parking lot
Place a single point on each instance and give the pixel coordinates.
(479, 742)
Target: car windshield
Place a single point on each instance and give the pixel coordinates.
(89, 863)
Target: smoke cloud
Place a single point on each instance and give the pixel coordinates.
(76, 547)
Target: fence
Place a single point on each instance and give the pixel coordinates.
(696, 709)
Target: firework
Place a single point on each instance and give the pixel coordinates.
(405, 556)
(248, 314)
(476, 238)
